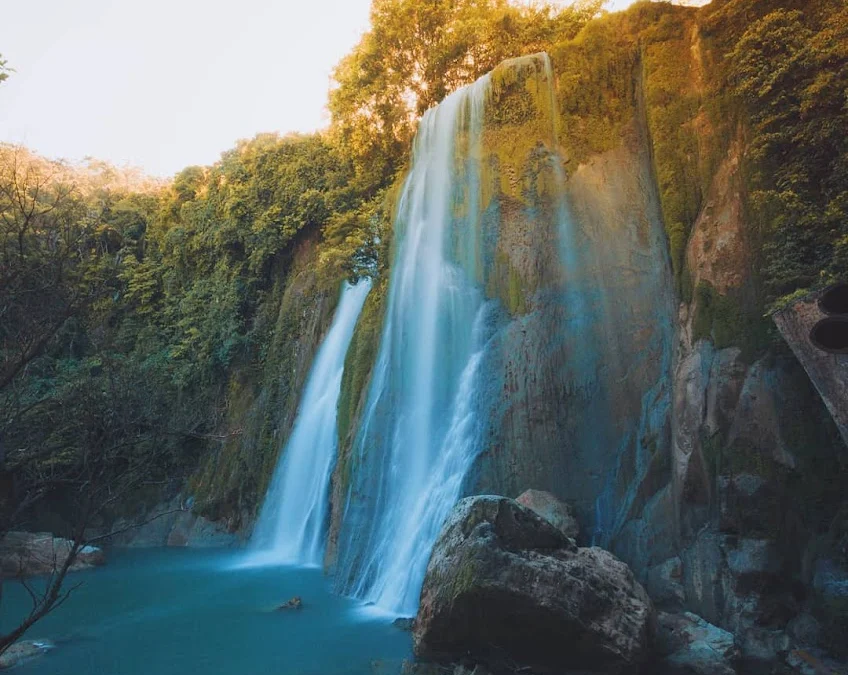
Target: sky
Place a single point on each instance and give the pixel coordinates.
(164, 84)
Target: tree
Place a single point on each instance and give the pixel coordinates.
(4, 69)
(43, 245)
(78, 425)
(418, 52)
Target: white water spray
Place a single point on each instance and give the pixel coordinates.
(292, 524)
(419, 434)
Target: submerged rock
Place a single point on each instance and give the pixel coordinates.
(504, 586)
(404, 623)
(24, 651)
(33, 553)
(294, 603)
(557, 513)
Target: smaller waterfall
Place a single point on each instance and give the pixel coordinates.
(292, 524)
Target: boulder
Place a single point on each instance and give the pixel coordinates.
(24, 651)
(504, 586)
(33, 553)
(557, 513)
(828, 372)
(691, 646)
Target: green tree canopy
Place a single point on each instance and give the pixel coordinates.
(418, 52)
(791, 70)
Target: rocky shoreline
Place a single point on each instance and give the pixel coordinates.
(27, 554)
(508, 591)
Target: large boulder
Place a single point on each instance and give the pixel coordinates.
(557, 513)
(828, 372)
(504, 586)
(24, 554)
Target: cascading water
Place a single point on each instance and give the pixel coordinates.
(291, 527)
(420, 432)
(527, 316)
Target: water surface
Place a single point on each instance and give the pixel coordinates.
(178, 611)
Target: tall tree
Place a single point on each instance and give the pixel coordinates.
(418, 52)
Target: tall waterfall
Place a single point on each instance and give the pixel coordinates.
(420, 433)
(292, 524)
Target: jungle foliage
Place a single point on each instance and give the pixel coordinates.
(123, 309)
(790, 68)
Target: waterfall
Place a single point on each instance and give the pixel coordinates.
(291, 527)
(420, 431)
(526, 315)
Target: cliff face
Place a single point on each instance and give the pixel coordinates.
(263, 395)
(583, 367)
(744, 500)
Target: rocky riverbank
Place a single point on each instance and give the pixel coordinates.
(508, 591)
(26, 554)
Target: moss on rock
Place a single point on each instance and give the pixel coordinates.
(727, 321)
(263, 393)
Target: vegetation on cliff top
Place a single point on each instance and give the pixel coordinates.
(418, 52)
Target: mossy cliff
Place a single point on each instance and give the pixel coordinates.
(743, 415)
(263, 394)
(357, 372)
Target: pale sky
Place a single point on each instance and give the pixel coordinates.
(163, 84)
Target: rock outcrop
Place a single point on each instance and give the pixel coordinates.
(24, 554)
(172, 523)
(505, 586)
(828, 372)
